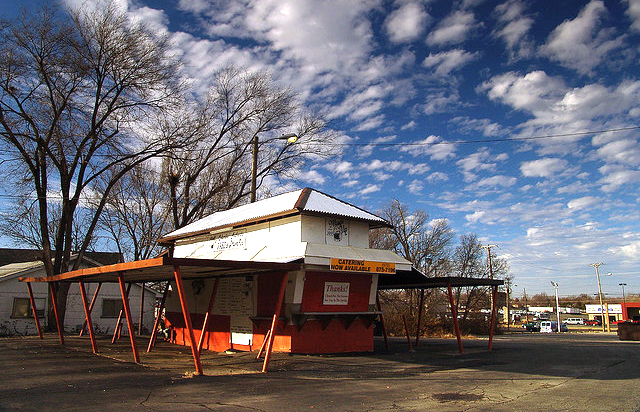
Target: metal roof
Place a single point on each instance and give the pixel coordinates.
(300, 201)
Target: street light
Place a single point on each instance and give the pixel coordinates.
(289, 137)
(605, 322)
(624, 300)
(555, 286)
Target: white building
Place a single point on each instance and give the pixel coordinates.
(16, 316)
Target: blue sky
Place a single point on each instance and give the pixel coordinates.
(514, 120)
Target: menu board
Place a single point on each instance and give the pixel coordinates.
(236, 298)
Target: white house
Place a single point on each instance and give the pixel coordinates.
(16, 316)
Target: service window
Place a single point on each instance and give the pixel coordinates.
(22, 307)
(111, 308)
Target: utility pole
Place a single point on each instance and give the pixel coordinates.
(605, 322)
(555, 286)
(624, 299)
(526, 303)
(507, 283)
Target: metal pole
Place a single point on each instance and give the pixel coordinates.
(141, 309)
(127, 313)
(493, 316)
(597, 265)
(55, 312)
(187, 319)
(207, 316)
(384, 330)
(87, 313)
(274, 322)
(93, 301)
(406, 330)
(555, 286)
(254, 169)
(154, 332)
(419, 316)
(118, 327)
(264, 343)
(35, 310)
(455, 318)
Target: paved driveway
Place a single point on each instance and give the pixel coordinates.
(525, 372)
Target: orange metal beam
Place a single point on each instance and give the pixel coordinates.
(264, 343)
(127, 313)
(187, 319)
(35, 310)
(93, 301)
(54, 303)
(205, 324)
(154, 332)
(406, 330)
(274, 322)
(455, 318)
(87, 313)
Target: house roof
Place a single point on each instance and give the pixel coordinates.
(9, 256)
(307, 201)
(23, 268)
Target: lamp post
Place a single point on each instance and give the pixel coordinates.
(624, 299)
(555, 286)
(289, 137)
(604, 322)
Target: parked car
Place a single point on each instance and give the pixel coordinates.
(532, 327)
(593, 322)
(574, 321)
(548, 326)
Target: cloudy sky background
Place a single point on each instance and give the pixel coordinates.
(514, 120)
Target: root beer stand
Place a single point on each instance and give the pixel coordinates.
(292, 273)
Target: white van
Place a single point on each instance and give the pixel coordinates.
(546, 326)
(574, 321)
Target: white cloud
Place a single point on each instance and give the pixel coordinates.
(453, 29)
(433, 146)
(475, 216)
(498, 180)
(371, 188)
(411, 125)
(583, 202)
(616, 176)
(633, 11)
(312, 176)
(437, 176)
(407, 23)
(547, 167)
(440, 102)
(513, 28)
(415, 187)
(476, 161)
(485, 126)
(580, 43)
(445, 62)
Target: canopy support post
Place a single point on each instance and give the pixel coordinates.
(493, 316)
(274, 323)
(207, 316)
(35, 311)
(187, 319)
(384, 330)
(454, 314)
(93, 301)
(127, 313)
(54, 303)
(118, 326)
(154, 332)
(87, 313)
(420, 309)
(141, 309)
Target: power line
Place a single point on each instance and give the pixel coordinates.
(503, 139)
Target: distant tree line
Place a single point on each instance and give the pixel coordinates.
(434, 249)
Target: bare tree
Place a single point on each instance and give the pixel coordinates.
(136, 214)
(73, 89)
(213, 172)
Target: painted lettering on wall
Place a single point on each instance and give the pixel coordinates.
(336, 293)
(236, 239)
(357, 265)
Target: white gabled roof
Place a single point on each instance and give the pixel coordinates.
(304, 200)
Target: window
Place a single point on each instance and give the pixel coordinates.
(111, 308)
(22, 307)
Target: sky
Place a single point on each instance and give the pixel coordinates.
(518, 121)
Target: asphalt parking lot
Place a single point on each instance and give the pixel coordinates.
(524, 372)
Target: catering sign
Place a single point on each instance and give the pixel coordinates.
(363, 266)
